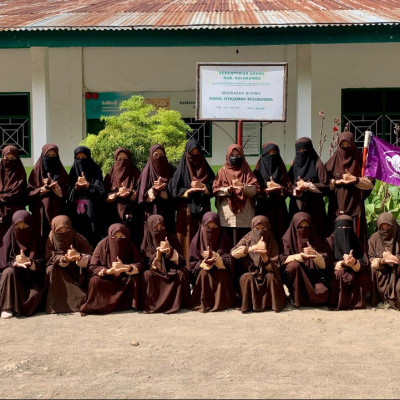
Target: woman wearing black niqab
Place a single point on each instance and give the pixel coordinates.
(86, 195)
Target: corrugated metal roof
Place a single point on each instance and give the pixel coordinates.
(192, 14)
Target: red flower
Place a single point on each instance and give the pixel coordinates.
(335, 129)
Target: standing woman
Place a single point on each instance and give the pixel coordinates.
(384, 255)
(304, 263)
(275, 185)
(47, 189)
(114, 271)
(153, 196)
(13, 187)
(210, 267)
(310, 182)
(348, 189)
(68, 254)
(261, 285)
(166, 284)
(191, 186)
(120, 185)
(86, 195)
(351, 281)
(235, 188)
(22, 264)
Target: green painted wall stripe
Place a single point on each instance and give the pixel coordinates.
(202, 37)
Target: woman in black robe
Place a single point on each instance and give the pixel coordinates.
(166, 283)
(47, 189)
(22, 264)
(351, 282)
(13, 187)
(86, 196)
(309, 180)
(275, 185)
(211, 267)
(191, 187)
(304, 263)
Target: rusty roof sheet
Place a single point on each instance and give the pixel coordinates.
(192, 14)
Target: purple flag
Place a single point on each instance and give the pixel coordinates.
(383, 161)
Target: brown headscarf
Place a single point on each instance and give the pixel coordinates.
(12, 172)
(154, 169)
(123, 172)
(16, 240)
(348, 197)
(217, 239)
(228, 173)
(151, 237)
(389, 239)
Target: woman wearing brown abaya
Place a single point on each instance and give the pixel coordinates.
(351, 282)
(275, 185)
(235, 188)
(166, 284)
(22, 264)
(304, 263)
(310, 184)
(153, 195)
(191, 187)
(47, 189)
(114, 274)
(68, 254)
(13, 187)
(261, 285)
(120, 185)
(210, 266)
(348, 189)
(384, 255)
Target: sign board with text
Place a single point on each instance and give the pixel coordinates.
(241, 91)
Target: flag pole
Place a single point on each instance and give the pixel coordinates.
(364, 161)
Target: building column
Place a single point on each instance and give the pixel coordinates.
(39, 100)
(303, 120)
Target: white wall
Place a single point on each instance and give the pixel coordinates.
(339, 66)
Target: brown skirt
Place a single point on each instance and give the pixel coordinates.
(260, 296)
(20, 291)
(65, 291)
(385, 286)
(213, 291)
(165, 293)
(111, 293)
(349, 289)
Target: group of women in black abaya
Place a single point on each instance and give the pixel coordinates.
(148, 240)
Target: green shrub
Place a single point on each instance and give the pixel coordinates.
(138, 127)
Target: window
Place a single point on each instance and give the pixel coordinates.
(377, 110)
(202, 132)
(15, 127)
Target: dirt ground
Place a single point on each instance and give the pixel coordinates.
(307, 353)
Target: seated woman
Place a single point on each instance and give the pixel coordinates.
(235, 187)
(351, 281)
(165, 285)
(153, 195)
(120, 185)
(304, 262)
(384, 256)
(13, 187)
(275, 185)
(68, 254)
(210, 266)
(22, 264)
(47, 189)
(114, 274)
(86, 196)
(261, 285)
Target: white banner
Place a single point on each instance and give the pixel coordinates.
(250, 91)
